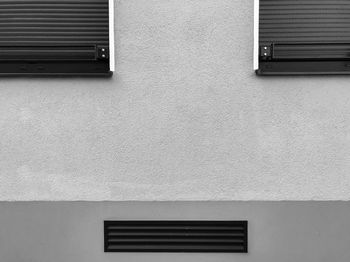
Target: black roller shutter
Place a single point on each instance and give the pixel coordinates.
(50, 37)
(304, 37)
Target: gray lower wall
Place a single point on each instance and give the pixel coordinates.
(73, 231)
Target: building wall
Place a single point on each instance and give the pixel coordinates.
(73, 231)
(183, 118)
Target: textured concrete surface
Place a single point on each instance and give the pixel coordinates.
(184, 118)
(278, 231)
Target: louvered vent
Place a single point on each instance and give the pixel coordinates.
(304, 36)
(54, 37)
(176, 236)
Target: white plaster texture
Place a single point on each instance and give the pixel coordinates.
(183, 118)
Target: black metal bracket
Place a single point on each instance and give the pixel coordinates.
(103, 52)
(266, 52)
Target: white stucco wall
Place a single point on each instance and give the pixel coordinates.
(184, 117)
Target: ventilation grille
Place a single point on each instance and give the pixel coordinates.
(292, 21)
(176, 236)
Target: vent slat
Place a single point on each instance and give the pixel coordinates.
(170, 240)
(179, 248)
(175, 236)
(174, 228)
